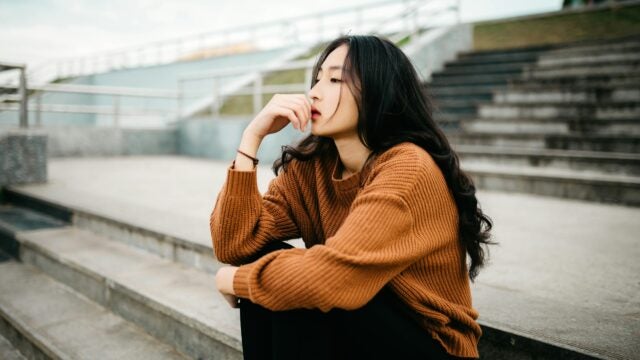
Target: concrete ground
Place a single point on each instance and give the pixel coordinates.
(565, 271)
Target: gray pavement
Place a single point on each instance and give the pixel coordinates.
(566, 271)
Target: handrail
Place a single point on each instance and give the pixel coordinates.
(101, 90)
(115, 110)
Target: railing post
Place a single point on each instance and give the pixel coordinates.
(179, 112)
(38, 109)
(215, 108)
(116, 111)
(24, 116)
(257, 94)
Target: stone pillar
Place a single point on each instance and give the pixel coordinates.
(23, 156)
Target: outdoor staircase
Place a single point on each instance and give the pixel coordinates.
(559, 121)
(77, 283)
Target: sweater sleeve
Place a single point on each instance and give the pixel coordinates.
(243, 221)
(373, 245)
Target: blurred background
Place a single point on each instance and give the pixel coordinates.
(118, 121)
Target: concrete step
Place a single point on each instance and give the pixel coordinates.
(587, 95)
(443, 79)
(629, 79)
(46, 319)
(442, 92)
(475, 79)
(497, 57)
(603, 69)
(606, 110)
(458, 106)
(587, 142)
(593, 161)
(564, 183)
(595, 58)
(609, 46)
(177, 304)
(464, 69)
(163, 244)
(8, 351)
(553, 126)
(462, 96)
(441, 89)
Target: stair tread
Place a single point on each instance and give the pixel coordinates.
(193, 298)
(601, 155)
(66, 324)
(551, 172)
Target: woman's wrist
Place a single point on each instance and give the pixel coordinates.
(224, 279)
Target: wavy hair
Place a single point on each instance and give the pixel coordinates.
(394, 107)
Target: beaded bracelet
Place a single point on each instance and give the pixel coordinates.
(255, 161)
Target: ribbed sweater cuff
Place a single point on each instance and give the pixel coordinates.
(241, 281)
(241, 182)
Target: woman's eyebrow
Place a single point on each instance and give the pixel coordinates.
(333, 67)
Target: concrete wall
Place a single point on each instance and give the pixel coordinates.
(430, 52)
(220, 138)
(67, 141)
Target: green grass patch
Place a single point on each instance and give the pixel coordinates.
(593, 25)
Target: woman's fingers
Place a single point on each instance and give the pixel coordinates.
(297, 104)
(294, 116)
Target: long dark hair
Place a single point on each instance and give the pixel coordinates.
(395, 107)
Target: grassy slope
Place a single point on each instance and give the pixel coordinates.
(593, 25)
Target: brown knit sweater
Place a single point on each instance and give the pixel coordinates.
(400, 228)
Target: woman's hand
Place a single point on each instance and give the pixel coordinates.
(224, 282)
(281, 110)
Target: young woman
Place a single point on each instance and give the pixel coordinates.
(386, 214)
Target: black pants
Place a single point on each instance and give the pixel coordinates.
(385, 328)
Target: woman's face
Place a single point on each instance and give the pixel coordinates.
(332, 97)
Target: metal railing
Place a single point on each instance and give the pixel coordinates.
(115, 110)
(311, 28)
(22, 90)
(257, 73)
(409, 16)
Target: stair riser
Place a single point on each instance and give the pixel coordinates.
(611, 145)
(151, 316)
(587, 59)
(464, 97)
(475, 70)
(24, 342)
(479, 59)
(550, 96)
(467, 110)
(578, 164)
(187, 253)
(558, 111)
(575, 82)
(609, 70)
(562, 127)
(450, 68)
(597, 192)
(622, 47)
(478, 79)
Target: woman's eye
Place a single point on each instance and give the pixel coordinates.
(336, 80)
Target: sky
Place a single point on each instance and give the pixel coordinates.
(34, 31)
